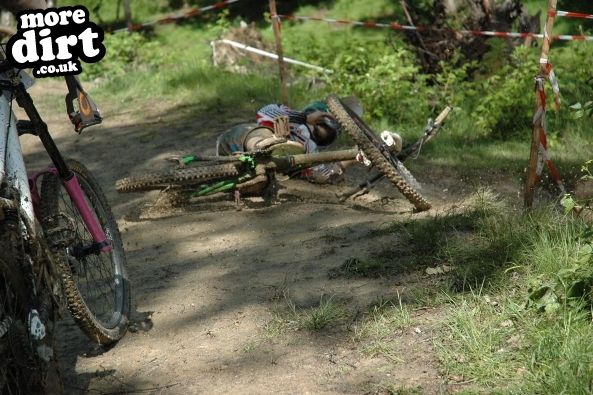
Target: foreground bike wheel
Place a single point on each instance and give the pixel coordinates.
(22, 371)
(179, 177)
(96, 285)
(370, 144)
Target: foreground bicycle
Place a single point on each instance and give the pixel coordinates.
(58, 240)
(252, 172)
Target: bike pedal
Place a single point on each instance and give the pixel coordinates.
(60, 230)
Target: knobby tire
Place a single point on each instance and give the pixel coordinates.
(354, 127)
(178, 177)
(112, 323)
(22, 371)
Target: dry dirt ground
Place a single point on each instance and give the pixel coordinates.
(209, 286)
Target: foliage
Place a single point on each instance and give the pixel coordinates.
(387, 81)
(125, 53)
(107, 12)
(518, 330)
(453, 84)
(582, 110)
(566, 254)
(504, 101)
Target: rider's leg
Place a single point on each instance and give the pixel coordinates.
(233, 140)
(261, 138)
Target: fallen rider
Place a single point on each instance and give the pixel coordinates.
(309, 129)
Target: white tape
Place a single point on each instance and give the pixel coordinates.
(267, 54)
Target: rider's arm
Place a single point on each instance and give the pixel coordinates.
(266, 114)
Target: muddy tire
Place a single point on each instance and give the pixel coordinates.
(22, 371)
(178, 177)
(362, 135)
(95, 284)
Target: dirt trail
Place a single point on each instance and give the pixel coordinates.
(207, 285)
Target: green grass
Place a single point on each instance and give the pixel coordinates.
(480, 342)
(498, 334)
(327, 315)
(375, 331)
(353, 267)
(504, 334)
(562, 355)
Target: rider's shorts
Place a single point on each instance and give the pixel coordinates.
(241, 138)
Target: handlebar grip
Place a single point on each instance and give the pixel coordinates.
(444, 114)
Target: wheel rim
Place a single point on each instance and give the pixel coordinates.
(98, 277)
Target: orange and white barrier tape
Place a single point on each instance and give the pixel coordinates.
(569, 14)
(174, 18)
(397, 26)
(543, 156)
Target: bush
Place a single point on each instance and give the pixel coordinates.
(125, 52)
(504, 102)
(387, 81)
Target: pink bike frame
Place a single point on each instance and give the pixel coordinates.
(77, 196)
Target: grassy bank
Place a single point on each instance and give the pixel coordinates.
(520, 316)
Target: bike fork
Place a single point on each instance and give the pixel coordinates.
(76, 194)
(37, 127)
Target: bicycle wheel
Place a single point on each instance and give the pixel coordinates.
(21, 369)
(179, 177)
(95, 284)
(370, 144)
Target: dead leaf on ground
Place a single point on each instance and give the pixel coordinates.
(506, 323)
(441, 269)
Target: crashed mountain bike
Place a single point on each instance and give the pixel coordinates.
(59, 244)
(212, 177)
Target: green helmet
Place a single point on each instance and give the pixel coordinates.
(315, 106)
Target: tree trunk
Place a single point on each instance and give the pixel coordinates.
(127, 12)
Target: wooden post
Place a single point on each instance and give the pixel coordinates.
(127, 13)
(117, 7)
(278, 37)
(539, 118)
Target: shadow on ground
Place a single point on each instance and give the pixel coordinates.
(207, 281)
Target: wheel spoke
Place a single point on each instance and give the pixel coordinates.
(99, 304)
